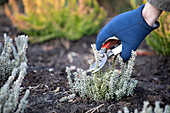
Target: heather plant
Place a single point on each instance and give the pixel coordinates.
(159, 39)
(46, 19)
(149, 109)
(111, 84)
(12, 56)
(9, 92)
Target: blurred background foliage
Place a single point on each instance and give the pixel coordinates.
(114, 7)
(72, 19)
(46, 19)
(69, 19)
(159, 39)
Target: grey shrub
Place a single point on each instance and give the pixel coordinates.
(12, 56)
(9, 94)
(148, 109)
(13, 68)
(112, 84)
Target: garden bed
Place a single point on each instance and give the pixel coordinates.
(47, 78)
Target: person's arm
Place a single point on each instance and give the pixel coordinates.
(160, 4)
(151, 13)
(131, 28)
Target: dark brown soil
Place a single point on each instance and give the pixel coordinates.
(47, 80)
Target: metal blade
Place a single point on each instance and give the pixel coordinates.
(101, 63)
(92, 67)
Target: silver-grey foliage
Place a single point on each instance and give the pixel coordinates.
(13, 69)
(7, 63)
(149, 109)
(9, 97)
(108, 85)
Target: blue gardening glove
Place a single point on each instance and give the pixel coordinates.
(129, 27)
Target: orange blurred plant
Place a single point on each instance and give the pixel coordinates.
(46, 19)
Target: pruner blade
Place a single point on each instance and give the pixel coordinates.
(99, 64)
(103, 55)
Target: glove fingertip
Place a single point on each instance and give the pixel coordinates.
(126, 53)
(99, 41)
(125, 57)
(98, 46)
(102, 37)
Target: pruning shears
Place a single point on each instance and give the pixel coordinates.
(112, 43)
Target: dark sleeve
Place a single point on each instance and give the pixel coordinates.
(161, 4)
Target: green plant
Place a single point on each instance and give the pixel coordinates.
(159, 39)
(108, 85)
(10, 56)
(149, 109)
(46, 19)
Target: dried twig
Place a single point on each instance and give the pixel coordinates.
(33, 87)
(110, 106)
(94, 109)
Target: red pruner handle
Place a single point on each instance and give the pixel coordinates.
(109, 44)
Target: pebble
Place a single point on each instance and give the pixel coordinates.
(46, 86)
(156, 79)
(50, 69)
(71, 100)
(49, 101)
(34, 71)
(72, 67)
(52, 74)
(84, 45)
(57, 89)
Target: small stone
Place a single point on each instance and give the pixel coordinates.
(49, 101)
(40, 58)
(57, 89)
(34, 71)
(71, 100)
(70, 57)
(156, 79)
(50, 69)
(46, 86)
(74, 54)
(72, 67)
(84, 45)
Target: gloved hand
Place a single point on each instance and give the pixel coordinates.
(129, 27)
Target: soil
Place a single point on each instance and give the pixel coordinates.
(47, 79)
